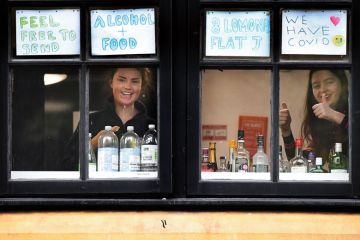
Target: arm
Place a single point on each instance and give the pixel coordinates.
(286, 133)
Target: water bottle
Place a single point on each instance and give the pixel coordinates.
(91, 157)
(108, 151)
(130, 151)
(149, 150)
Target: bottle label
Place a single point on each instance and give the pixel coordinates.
(299, 169)
(338, 171)
(260, 168)
(130, 160)
(149, 158)
(108, 159)
(336, 160)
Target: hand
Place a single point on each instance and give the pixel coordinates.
(95, 139)
(324, 111)
(284, 120)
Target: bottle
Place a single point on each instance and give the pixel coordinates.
(298, 164)
(91, 157)
(318, 168)
(222, 167)
(108, 151)
(311, 161)
(260, 159)
(232, 150)
(130, 151)
(204, 159)
(338, 162)
(212, 166)
(149, 150)
(242, 161)
(284, 165)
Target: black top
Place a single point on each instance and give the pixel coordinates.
(97, 122)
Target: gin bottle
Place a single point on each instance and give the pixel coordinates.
(338, 162)
(108, 151)
(318, 168)
(149, 150)
(298, 164)
(242, 157)
(130, 151)
(260, 159)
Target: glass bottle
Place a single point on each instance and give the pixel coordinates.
(130, 151)
(284, 165)
(108, 151)
(212, 166)
(242, 159)
(338, 161)
(204, 159)
(298, 164)
(149, 150)
(91, 157)
(260, 159)
(311, 160)
(318, 168)
(232, 150)
(222, 167)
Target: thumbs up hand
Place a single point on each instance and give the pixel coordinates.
(323, 110)
(284, 120)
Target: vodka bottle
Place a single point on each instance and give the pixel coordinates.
(108, 151)
(242, 161)
(311, 161)
(222, 167)
(212, 166)
(298, 164)
(130, 151)
(232, 151)
(318, 168)
(338, 162)
(149, 150)
(284, 165)
(91, 157)
(260, 159)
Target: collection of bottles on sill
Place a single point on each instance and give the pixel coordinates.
(132, 154)
(239, 159)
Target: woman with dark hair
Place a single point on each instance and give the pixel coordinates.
(325, 121)
(123, 109)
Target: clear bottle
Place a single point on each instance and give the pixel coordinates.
(242, 159)
(130, 151)
(149, 150)
(108, 151)
(260, 159)
(212, 166)
(91, 157)
(311, 161)
(284, 165)
(318, 168)
(232, 151)
(298, 164)
(338, 161)
(222, 167)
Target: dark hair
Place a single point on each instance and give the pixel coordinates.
(313, 129)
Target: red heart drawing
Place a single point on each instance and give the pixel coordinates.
(335, 20)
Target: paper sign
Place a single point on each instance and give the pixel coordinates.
(314, 32)
(214, 132)
(120, 32)
(48, 32)
(238, 33)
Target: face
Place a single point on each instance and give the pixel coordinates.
(326, 87)
(126, 86)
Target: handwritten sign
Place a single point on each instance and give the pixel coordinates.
(48, 32)
(314, 32)
(214, 132)
(237, 33)
(120, 32)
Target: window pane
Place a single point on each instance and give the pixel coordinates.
(123, 97)
(234, 100)
(313, 119)
(43, 107)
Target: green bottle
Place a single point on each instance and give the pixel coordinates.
(318, 168)
(338, 161)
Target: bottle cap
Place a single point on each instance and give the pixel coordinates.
(107, 128)
(318, 161)
(338, 147)
(151, 126)
(311, 155)
(298, 142)
(130, 128)
(232, 143)
(90, 135)
(241, 134)
(222, 157)
(260, 140)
